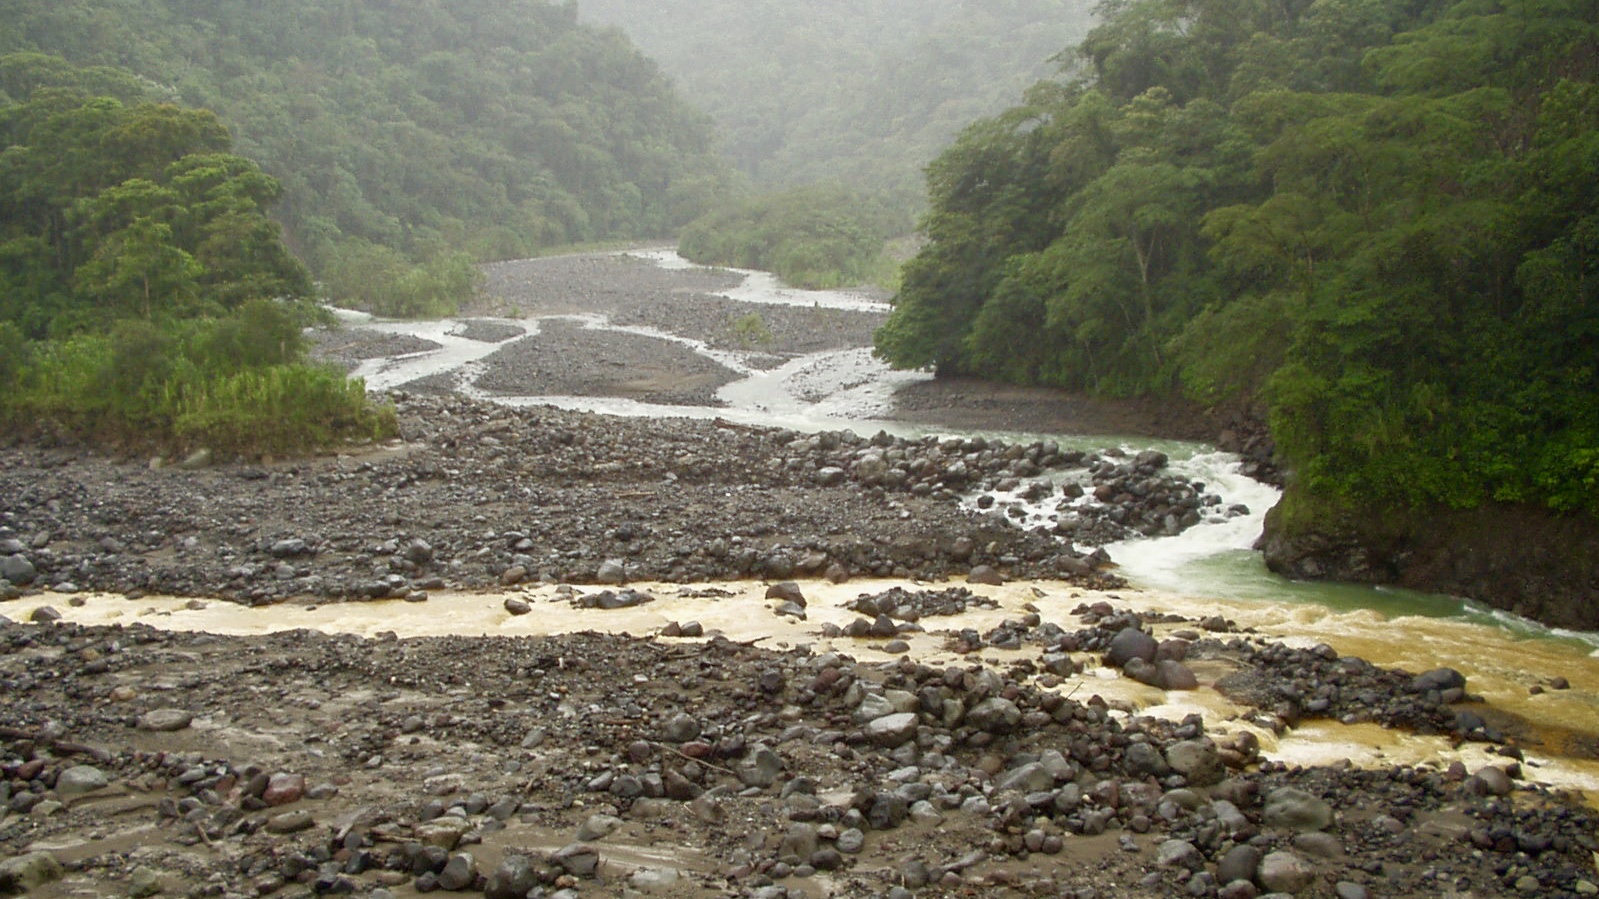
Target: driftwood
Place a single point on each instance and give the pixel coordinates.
(736, 426)
(66, 746)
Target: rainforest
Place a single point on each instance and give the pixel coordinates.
(1376, 223)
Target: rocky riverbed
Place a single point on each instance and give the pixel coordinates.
(478, 495)
(140, 762)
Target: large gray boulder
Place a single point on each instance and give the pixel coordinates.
(995, 715)
(80, 779)
(17, 569)
(1293, 809)
(1199, 761)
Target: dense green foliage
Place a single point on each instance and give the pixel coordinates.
(232, 384)
(109, 210)
(146, 297)
(490, 127)
(859, 91)
(1380, 216)
(815, 237)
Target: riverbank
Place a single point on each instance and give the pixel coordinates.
(145, 762)
(479, 495)
(1003, 720)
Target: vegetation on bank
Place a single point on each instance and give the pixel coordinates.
(408, 138)
(815, 237)
(146, 299)
(1380, 219)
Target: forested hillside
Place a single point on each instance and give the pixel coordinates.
(145, 297)
(1379, 218)
(859, 91)
(493, 127)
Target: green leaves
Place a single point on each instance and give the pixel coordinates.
(382, 281)
(128, 235)
(816, 237)
(500, 127)
(138, 271)
(184, 232)
(1399, 257)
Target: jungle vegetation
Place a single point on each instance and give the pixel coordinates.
(815, 237)
(1378, 219)
(411, 139)
(146, 299)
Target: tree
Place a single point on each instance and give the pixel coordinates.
(139, 271)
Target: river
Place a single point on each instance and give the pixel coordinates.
(1209, 569)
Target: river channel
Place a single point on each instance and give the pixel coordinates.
(1209, 569)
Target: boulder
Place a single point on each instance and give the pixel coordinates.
(1285, 872)
(1174, 675)
(1240, 863)
(995, 716)
(891, 731)
(1130, 643)
(578, 859)
(166, 719)
(611, 571)
(1199, 761)
(1439, 679)
(1294, 809)
(1179, 854)
(28, 872)
(515, 877)
(985, 574)
(80, 779)
(17, 569)
(787, 591)
(459, 873)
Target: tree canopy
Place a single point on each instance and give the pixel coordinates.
(110, 210)
(493, 127)
(146, 297)
(1379, 217)
(820, 236)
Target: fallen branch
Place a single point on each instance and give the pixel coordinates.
(691, 758)
(66, 746)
